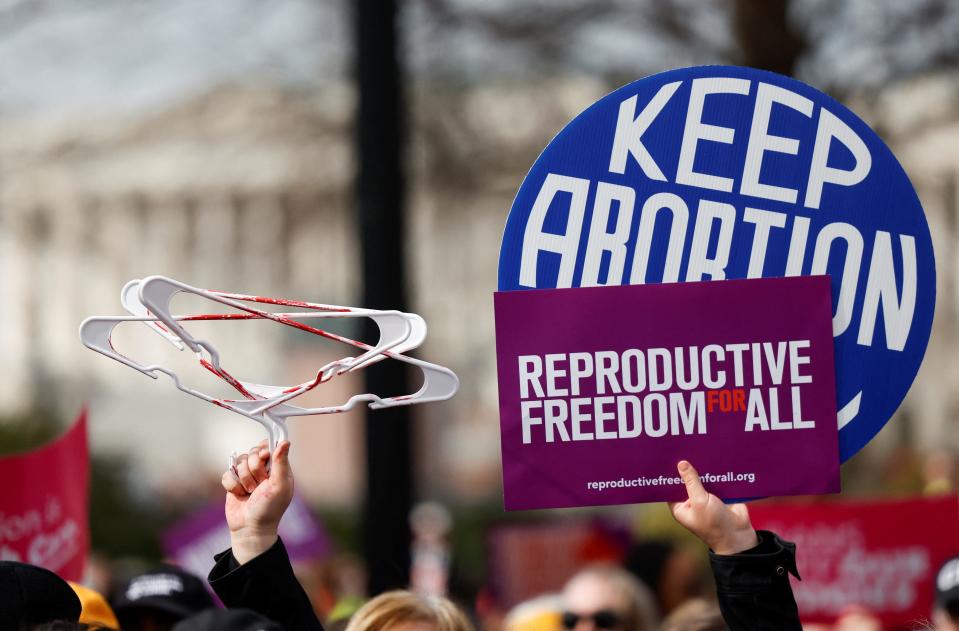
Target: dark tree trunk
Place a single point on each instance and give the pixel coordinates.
(380, 190)
(765, 36)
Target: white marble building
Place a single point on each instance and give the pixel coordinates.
(222, 156)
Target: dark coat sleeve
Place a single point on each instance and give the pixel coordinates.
(266, 584)
(753, 586)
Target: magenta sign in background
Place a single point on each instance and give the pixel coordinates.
(617, 342)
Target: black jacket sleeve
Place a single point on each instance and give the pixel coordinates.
(753, 586)
(266, 585)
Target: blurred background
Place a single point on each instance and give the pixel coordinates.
(221, 143)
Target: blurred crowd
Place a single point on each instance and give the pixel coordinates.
(658, 585)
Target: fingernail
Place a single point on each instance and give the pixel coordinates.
(683, 466)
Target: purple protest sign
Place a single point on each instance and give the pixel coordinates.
(193, 540)
(604, 389)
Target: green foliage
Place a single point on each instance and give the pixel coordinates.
(24, 432)
(343, 527)
(122, 524)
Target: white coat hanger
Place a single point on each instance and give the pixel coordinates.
(148, 301)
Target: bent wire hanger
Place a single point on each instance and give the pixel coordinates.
(148, 302)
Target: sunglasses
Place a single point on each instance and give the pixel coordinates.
(601, 619)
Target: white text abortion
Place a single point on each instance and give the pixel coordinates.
(659, 392)
(811, 246)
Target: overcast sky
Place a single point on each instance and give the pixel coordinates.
(123, 54)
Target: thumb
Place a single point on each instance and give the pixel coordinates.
(280, 466)
(694, 487)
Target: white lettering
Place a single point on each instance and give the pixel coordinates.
(820, 172)
(760, 141)
(536, 240)
(881, 286)
(630, 129)
(601, 241)
(700, 263)
(697, 130)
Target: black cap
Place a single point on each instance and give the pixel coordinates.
(166, 589)
(227, 620)
(31, 594)
(947, 585)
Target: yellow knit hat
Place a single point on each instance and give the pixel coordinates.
(95, 610)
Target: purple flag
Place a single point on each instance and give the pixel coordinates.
(193, 540)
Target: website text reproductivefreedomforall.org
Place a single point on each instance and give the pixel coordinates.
(663, 480)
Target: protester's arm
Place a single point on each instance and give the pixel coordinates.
(751, 568)
(256, 572)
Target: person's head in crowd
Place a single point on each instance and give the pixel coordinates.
(697, 614)
(94, 609)
(607, 598)
(157, 600)
(405, 611)
(31, 595)
(671, 572)
(542, 613)
(227, 620)
(946, 612)
(857, 618)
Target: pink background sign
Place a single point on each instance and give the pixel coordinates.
(44, 504)
(881, 555)
(603, 390)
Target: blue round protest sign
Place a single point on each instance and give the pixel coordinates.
(719, 172)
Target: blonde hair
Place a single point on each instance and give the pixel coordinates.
(697, 614)
(392, 608)
(541, 613)
(640, 613)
